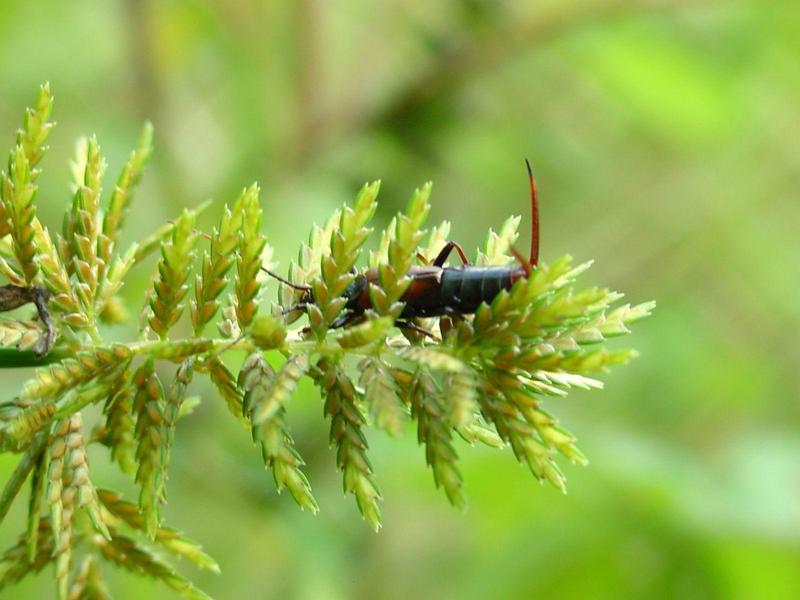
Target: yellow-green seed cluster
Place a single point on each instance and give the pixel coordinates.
(265, 396)
(336, 266)
(347, 423)
(402, 248)
(248, 263)
(487, 378)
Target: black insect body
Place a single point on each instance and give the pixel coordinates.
(437, 290)
(457, 290)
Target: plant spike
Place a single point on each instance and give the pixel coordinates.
(55, 477)
(174, 400)
(18, 564)
(38, 490)
(56, 278)
(486, 371)
(225, 383)
(336, 266)
(17, 188)
(348, 438)
(56, 379)
(128, 180)
(149, 408)
(170, 539)
(248, 263)
(120, 425)
(435, 432)
(170, 288)
(219, 259)
(83, 232)
(18, 195)
(265, 395)
(496, 249)
(128, 554)
(80, 480)
(380, 391)
(88, 581)
(400, 254)
(66, 507)
(36, 128)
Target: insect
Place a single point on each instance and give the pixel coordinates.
(437, 290)
(14, 296)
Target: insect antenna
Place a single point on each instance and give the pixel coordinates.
(296, 286)
(534, 258)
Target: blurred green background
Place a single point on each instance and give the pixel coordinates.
(666, 139)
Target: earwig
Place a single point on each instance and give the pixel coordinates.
(437, 290)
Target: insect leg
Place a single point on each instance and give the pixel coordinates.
(14, 296)
(411, 327)
(40, 296)
(445, 252)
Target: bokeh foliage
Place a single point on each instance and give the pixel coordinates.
(661, 133)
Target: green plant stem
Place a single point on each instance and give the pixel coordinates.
(175, 349)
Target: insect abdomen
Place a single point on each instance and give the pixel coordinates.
(458, 291)
(465, 289)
